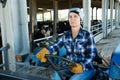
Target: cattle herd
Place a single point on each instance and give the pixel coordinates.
(45, 29)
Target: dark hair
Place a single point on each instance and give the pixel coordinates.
(75, 12)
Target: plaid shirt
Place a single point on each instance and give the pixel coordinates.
(81, 50)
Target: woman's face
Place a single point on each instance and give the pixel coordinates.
(74, 19)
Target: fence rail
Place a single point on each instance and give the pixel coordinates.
(95, 29)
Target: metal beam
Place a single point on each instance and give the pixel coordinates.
(33, 22)
(104, 17)
(116, 14)
(87, 15)
(111, 13)
(14, 28)
(55, 7)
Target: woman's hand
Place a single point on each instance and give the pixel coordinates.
(41, 54)
(77, 69)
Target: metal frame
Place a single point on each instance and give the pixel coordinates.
(4, 55)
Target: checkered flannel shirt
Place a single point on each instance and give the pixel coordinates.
(81, 50)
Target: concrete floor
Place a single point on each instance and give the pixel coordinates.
(107, 46)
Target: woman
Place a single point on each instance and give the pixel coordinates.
(80, 47)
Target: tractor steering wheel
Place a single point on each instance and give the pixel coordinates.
(64, 63)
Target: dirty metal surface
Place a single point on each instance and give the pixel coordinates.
(36, 71)
(27, 73)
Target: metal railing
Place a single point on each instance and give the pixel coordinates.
(3, 50)
(46, 38)
(95, 29)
